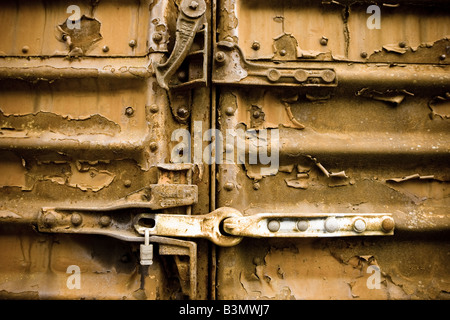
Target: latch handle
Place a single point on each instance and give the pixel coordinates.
(189, 23)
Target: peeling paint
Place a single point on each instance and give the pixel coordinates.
(392, 97)
(80, 40)
(421, 188)
(38, 123)
(440, 106)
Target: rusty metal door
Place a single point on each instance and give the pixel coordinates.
(229, 149)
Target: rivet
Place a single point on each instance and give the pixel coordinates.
(157, 37)
(228, 186)
(273, 225)
(256, 186)
(154, 108)
(328, 76)
(182, 75)
(49, 220)
(182, 112)
(364, 54)
(331, 224)
(301, 75)
(127, 183)
(302, 225)
(105, 48)
(153, 146)
(387, 224)
(442, 57)
(229, 111)
(256, 45)
(256, 114)
(282, 52)
(25, 49)
(132, 43)
(129, 111)
(402, 44)
(193, 5)
(324, 41)
(76, 219)
(105, 221)
(273, 75)
(220, 57)
(359, 225)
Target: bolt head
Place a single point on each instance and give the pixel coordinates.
(228, 186)
(256, 45)
(229, 111)
(364, 54)
(25, 49)
(359, 225)
(129, 111)
(256, 186)
(282, 52)
(273, 225)
(182, 112)
(273, 75)
(153, 146)
(105, 221)
(302, 225)
(132, 43)
(127, 183)
(256, 114)
(105, 49)
(402, 44)
(442, 57)
(331, 224)
(154, 108)
(301, 75)
(76, 219)
(324, 41)
(157, 37)
(328, 76)
(49, 220)
(387, 224)
(220, 57)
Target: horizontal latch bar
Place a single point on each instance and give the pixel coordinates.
(310, 225)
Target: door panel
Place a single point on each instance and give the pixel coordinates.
(308, 140)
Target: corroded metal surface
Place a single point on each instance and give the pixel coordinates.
(111, 111)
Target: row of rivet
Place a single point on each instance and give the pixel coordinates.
(331, 225)
(76, 219)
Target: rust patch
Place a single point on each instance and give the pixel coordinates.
(37, 123)
(84, 178)
(440, 106)
(425, 52)
(391, 97)
(80, 40)
(420, 188)
(285, 47)
(13, 170)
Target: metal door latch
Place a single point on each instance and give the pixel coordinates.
(227, 226)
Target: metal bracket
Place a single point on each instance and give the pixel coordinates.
(187, 66)
(294, 225)
(231, 67)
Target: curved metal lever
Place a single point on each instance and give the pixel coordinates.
(189, 22)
